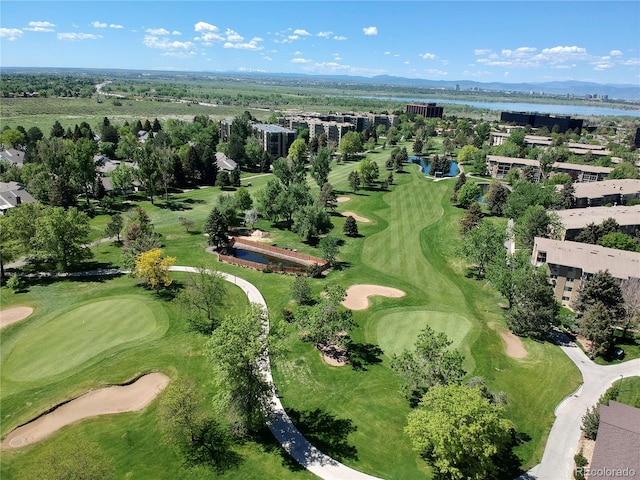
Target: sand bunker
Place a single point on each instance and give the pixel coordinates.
(515, 348)
(356, 216)
(15, 314)
(343, 199)
(115, 399)
(358, 295)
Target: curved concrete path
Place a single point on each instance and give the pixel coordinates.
(562, 444)
(279, 422)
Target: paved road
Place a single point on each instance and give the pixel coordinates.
(562, 444)
(279, 422)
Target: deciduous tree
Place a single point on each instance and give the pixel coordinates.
(482, 243)
(153, 267)
(326, 322)
(203, 299)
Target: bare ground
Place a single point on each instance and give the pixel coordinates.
(358, 295)
(515, 347)
(343, 199)
(356, 216)
(109, 400)
(14, 314)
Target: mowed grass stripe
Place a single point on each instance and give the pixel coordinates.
(69, 340)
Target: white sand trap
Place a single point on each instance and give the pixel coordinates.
(343, 199)
(515, 347)
(115, 399)
(15, 314)
(358, 295)
(356, 216)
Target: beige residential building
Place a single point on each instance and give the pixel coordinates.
(606, 192)
(499, 166)
(570, 263)
(575, 220)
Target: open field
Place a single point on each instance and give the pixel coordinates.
(410, 244)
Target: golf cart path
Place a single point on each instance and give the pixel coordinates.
(279, 422)
(557, 461)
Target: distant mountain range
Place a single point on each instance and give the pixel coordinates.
(625, 92)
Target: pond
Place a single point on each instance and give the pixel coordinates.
(425, 164)
(262, 258)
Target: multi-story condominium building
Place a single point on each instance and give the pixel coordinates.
(274, 139)
(336, 123)
(575, 220)
(569, 264)
(499, 166)
(427, 110)
(606, 192)
(538, 120)
(498, 138)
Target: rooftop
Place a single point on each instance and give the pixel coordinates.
(590, 258)
(582, 167)
(618, 441)
(606, 187)
(574, 218)
(272, 128)
(518, 161)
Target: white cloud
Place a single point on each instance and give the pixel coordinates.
(297, 53)
(176, 33)
(530, 57)
(337, 57)
(98, 24)
(387, 53)
(293, 37)
(615, 53)
(73, 36)
(267, 58)
(436, 72)
(301, 32)
(250, 45)
(116, 26)
(233, 36)
(633, 62)
(10, 34)
(335, 67)
(153, 41)
(370, 30)
(40, 27)
(157, 31)
(602, 67)
(481, 51)
(564, 50)
(427, 56)
(407, 62)
(325, 34)
(339, 37)
(301, 60)
(208, 33)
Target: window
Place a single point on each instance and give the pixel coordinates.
(565, 299)
(568, 289)
(542, 257)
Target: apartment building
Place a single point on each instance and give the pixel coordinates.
(498, 138)
(274, 139)
(427, 110)
(571, 263)
(539, 120)
(575, 220)
(606, 192)
(498, 167)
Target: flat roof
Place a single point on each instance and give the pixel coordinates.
(606, 187)
(582, 167)
(590, 258)
(272, 128)
(519, 161)
(618, 441)
(580, 217)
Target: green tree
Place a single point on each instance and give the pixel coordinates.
(217, 228)
(321, 166)
(534, 309)
(472, 217)
(630, 288)
(496, 197)
(537, 222)
(505, 270)
(185, 426)
(432, 362)
(146, 157)
(623, 170)
(526, 194)
(368, 171)
(351, 227)
(350, 144)
(84, 166)
(597, 326)
(327, 197)
(62, 236)
(122, 177)
(301, 291)
(114, 227)
(204, 300)
(354, 181)
(620, 241)
(12, 138)
(467, 154)
(459, 432)
(482, 243)
(298, 151)
(243, 199)
(468, 193)
(330, 246)
(251, 217)
(604, 288)
(460, 181)
(237, 349)
(309, 221)
(325, 323)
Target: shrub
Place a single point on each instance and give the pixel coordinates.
(15, 283)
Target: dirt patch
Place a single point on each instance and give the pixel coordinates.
(343, 199)
(334, 355)
(15, 314)
(515, 347)
(356, 216)
(258, 236)
(358, 295)
(109, 400)
(586, 344)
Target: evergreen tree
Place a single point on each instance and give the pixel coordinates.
(351, 227)
(217, 228)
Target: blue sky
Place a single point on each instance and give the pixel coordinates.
(506, 41)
